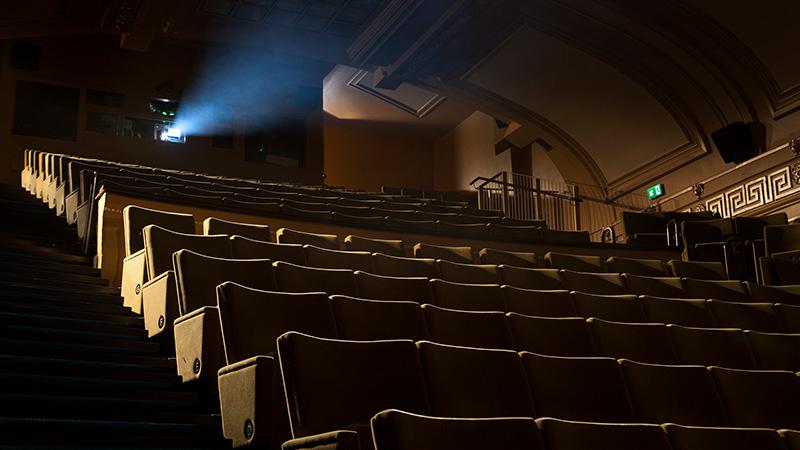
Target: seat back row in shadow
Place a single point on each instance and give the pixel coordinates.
(398, 430)
(362, 378)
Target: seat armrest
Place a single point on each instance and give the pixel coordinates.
(198, 346)
(333, 440)
(160, 304)
(252, 404)
(196, 312)
(133, 278)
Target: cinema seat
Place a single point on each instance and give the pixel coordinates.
(790, 315)
(591, 389)
(294, 278)
(160, 306)
(568, 336)
(197, 331)
(391, 247)
(668, 287)
(686, 312)
(670, 393)
(397, 430)
(726, 347)
(517, 233)
(251, 320)
(617, 308)
(482, 329)
(711, 438)
(398, 266)
(730, 290)
(644, 342)
(704, 240)
(378, 287)
(338, 259)
(365, 320)
(775, 351)
(472, 382)
(468, 273)
(289, 236)
(564, 237)
(781, 244)
(575, 263)
(749, 316)
(454, 254)
(635, 266)
(517, 259)
(594, 283)
(759, 398)
(134, 270)
(468, 297)
(244, 248)
(789, 295)
(361, 378)
(566, 435)
(701, 270)
(540, 279)
(556, 303)
(791, 438)
(212, 225)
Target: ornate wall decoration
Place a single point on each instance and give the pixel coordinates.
(755, 192)
(796, 173)
(698, 189)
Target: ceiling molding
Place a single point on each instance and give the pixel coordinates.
(419, 111)
(783, 101)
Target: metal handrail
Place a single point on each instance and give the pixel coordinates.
(526, 188)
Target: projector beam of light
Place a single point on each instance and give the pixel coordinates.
(241, 86)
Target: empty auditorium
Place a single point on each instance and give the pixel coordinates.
(399, 225)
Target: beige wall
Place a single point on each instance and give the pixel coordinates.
(368, 155)
(467, 152)
(95, 62)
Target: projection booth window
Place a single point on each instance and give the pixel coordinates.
(46, 110)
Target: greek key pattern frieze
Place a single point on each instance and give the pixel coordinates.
(752, 193)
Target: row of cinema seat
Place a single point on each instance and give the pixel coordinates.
(658, 229)
(367, 319)
(196, 323)
(736, 242)
(195, 279)
(398, 430)
(332, 388)
(331, 271)
(69, 185)
(424, 265)
(194, 331)
(780, 264)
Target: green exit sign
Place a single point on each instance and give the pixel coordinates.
(653, 192)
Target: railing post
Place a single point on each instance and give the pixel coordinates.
(539, 205)
(576, 196)
(505, 194)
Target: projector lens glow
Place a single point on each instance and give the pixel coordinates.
(165, 132)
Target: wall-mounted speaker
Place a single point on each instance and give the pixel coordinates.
(739, 141)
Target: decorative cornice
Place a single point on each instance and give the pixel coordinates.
(434, 101)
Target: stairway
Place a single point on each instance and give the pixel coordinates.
(76, 367)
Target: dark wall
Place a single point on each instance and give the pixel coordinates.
(54, 105)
